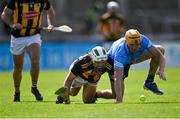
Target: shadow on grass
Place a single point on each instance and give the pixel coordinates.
(36, 102)
(99, 103)
(165, 102)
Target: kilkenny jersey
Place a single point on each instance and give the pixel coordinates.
(112, 24)
(83, 67)
(29, 14)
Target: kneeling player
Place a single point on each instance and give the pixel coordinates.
(85, 72)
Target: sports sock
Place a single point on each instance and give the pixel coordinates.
(17, 86)
(34, 88)
(150, 78)
(34, 84)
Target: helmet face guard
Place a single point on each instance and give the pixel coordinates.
(133, 37)
(98, 54)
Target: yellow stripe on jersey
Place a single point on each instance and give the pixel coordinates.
(40, 20)
(35, 20)
(25, 9)
(87, 73)
(15, 14)
(85, 65)
(108, 66)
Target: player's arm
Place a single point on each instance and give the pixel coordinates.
(119, 84)
(50, 16)
(68, 81)
(157, 54)
(6, 16)
(113, 93)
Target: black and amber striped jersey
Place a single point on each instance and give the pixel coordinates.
(29, 14)
(112, 25)
(83, 67)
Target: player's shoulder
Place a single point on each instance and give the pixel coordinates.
(120, 41)
(83, 62)
(144, 39)
(105, 15)
(84, 59)
(144, 36)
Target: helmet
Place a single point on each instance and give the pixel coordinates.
(112, 6)
(133, 36)
(98, 53)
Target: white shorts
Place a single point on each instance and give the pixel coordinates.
(18, 45)
(78, 81)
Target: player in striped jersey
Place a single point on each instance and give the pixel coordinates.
(111, 24)
(22, 16)
(86, 71)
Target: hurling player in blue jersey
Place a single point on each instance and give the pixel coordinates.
(132, 49)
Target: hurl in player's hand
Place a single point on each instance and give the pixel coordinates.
(50, 28)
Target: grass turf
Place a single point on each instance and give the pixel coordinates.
(166, 106)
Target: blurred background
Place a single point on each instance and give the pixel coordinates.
(158, 19)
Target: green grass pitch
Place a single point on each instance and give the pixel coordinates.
(166, 106)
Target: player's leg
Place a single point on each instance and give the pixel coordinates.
(17, 49)
(89, 93)
(154, 64)
(107, 94)
(34, 54)
(76, 86)
(62, 92)
(110, 94)
(17, 74)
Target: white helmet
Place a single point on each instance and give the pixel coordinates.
(98, 53)
(112, 6)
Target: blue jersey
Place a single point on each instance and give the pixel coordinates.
(121, 54)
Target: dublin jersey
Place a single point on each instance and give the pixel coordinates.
(121, 55)
(84, 68)
(29, 14)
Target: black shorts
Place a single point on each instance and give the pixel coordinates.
(126, 70)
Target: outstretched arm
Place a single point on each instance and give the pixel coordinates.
(119, 84)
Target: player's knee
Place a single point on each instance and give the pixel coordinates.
(161, 49)
(87, 101)
(18, 69)
(35, 63)
(73, 94)
(74, 91)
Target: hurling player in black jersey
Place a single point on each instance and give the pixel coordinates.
(85, 72)
(24, 17)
